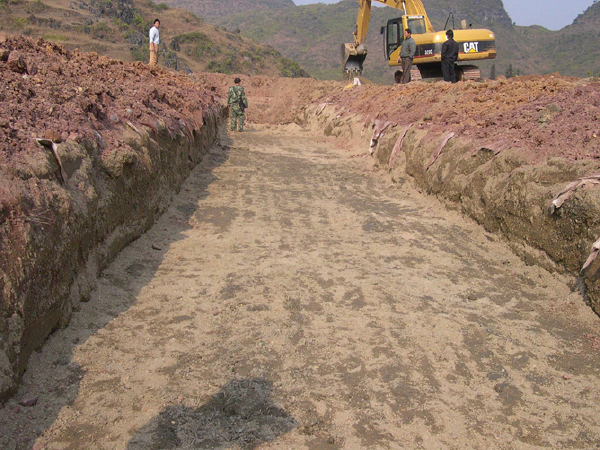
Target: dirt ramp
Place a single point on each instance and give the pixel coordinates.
(91, 152)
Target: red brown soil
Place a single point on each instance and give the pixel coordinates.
(546, 116)
(67, 210)
(53, 93)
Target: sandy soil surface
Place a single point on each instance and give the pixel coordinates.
(292, 299)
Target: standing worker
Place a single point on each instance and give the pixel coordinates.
(449, 57)
(407, 54)
(237, 103)
(154, 41)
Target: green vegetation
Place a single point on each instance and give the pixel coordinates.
(192, 38)
(291, 69)
(36, 7)
(20, 22)
(141, 53)
(157, 7)
(220, 66)
(190, 17)
(510, 72)
(101, 31)
(138, 21)
(197, 46)
(55, 37)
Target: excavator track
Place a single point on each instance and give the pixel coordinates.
(465, 73)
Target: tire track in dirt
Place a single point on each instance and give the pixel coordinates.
(295, 300)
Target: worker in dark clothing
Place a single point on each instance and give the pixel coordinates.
(449, 57)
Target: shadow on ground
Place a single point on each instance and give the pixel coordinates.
(242, 414)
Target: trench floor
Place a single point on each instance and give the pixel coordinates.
(292, 299)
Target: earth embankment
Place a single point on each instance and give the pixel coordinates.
(91, 152)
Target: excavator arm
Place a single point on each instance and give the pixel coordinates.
(353, 55)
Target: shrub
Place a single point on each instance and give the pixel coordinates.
(54, 37)
(157, 7)
(291, 69)
(36, 7)
(101, 30)
(20, 22)
(192, 37)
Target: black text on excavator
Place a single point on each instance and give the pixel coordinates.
(475, 44)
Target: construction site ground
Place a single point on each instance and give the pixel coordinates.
(292, 299)
(364, 267)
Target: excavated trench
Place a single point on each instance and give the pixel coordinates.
(291, 297)
(298, 292)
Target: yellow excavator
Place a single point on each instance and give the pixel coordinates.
(475, 44)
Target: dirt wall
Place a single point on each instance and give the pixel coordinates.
(92, 152)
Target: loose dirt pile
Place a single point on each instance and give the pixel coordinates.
(91, 150)
(57, 94)
(542, 116)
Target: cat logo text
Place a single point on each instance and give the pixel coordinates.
(471, 47)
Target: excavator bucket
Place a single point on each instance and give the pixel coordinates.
(352, 60)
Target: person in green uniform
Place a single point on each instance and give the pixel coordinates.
(237, 103)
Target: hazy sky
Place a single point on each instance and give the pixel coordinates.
(552, 14)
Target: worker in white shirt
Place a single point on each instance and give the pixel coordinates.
(154, 41)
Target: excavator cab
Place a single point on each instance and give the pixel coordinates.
(393, 33)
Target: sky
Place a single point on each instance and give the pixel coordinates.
(552, 14)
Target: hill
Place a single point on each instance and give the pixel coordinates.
(576, 48)
(119, 28)
(210, 9)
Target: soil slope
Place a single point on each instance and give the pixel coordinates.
(119, 29)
